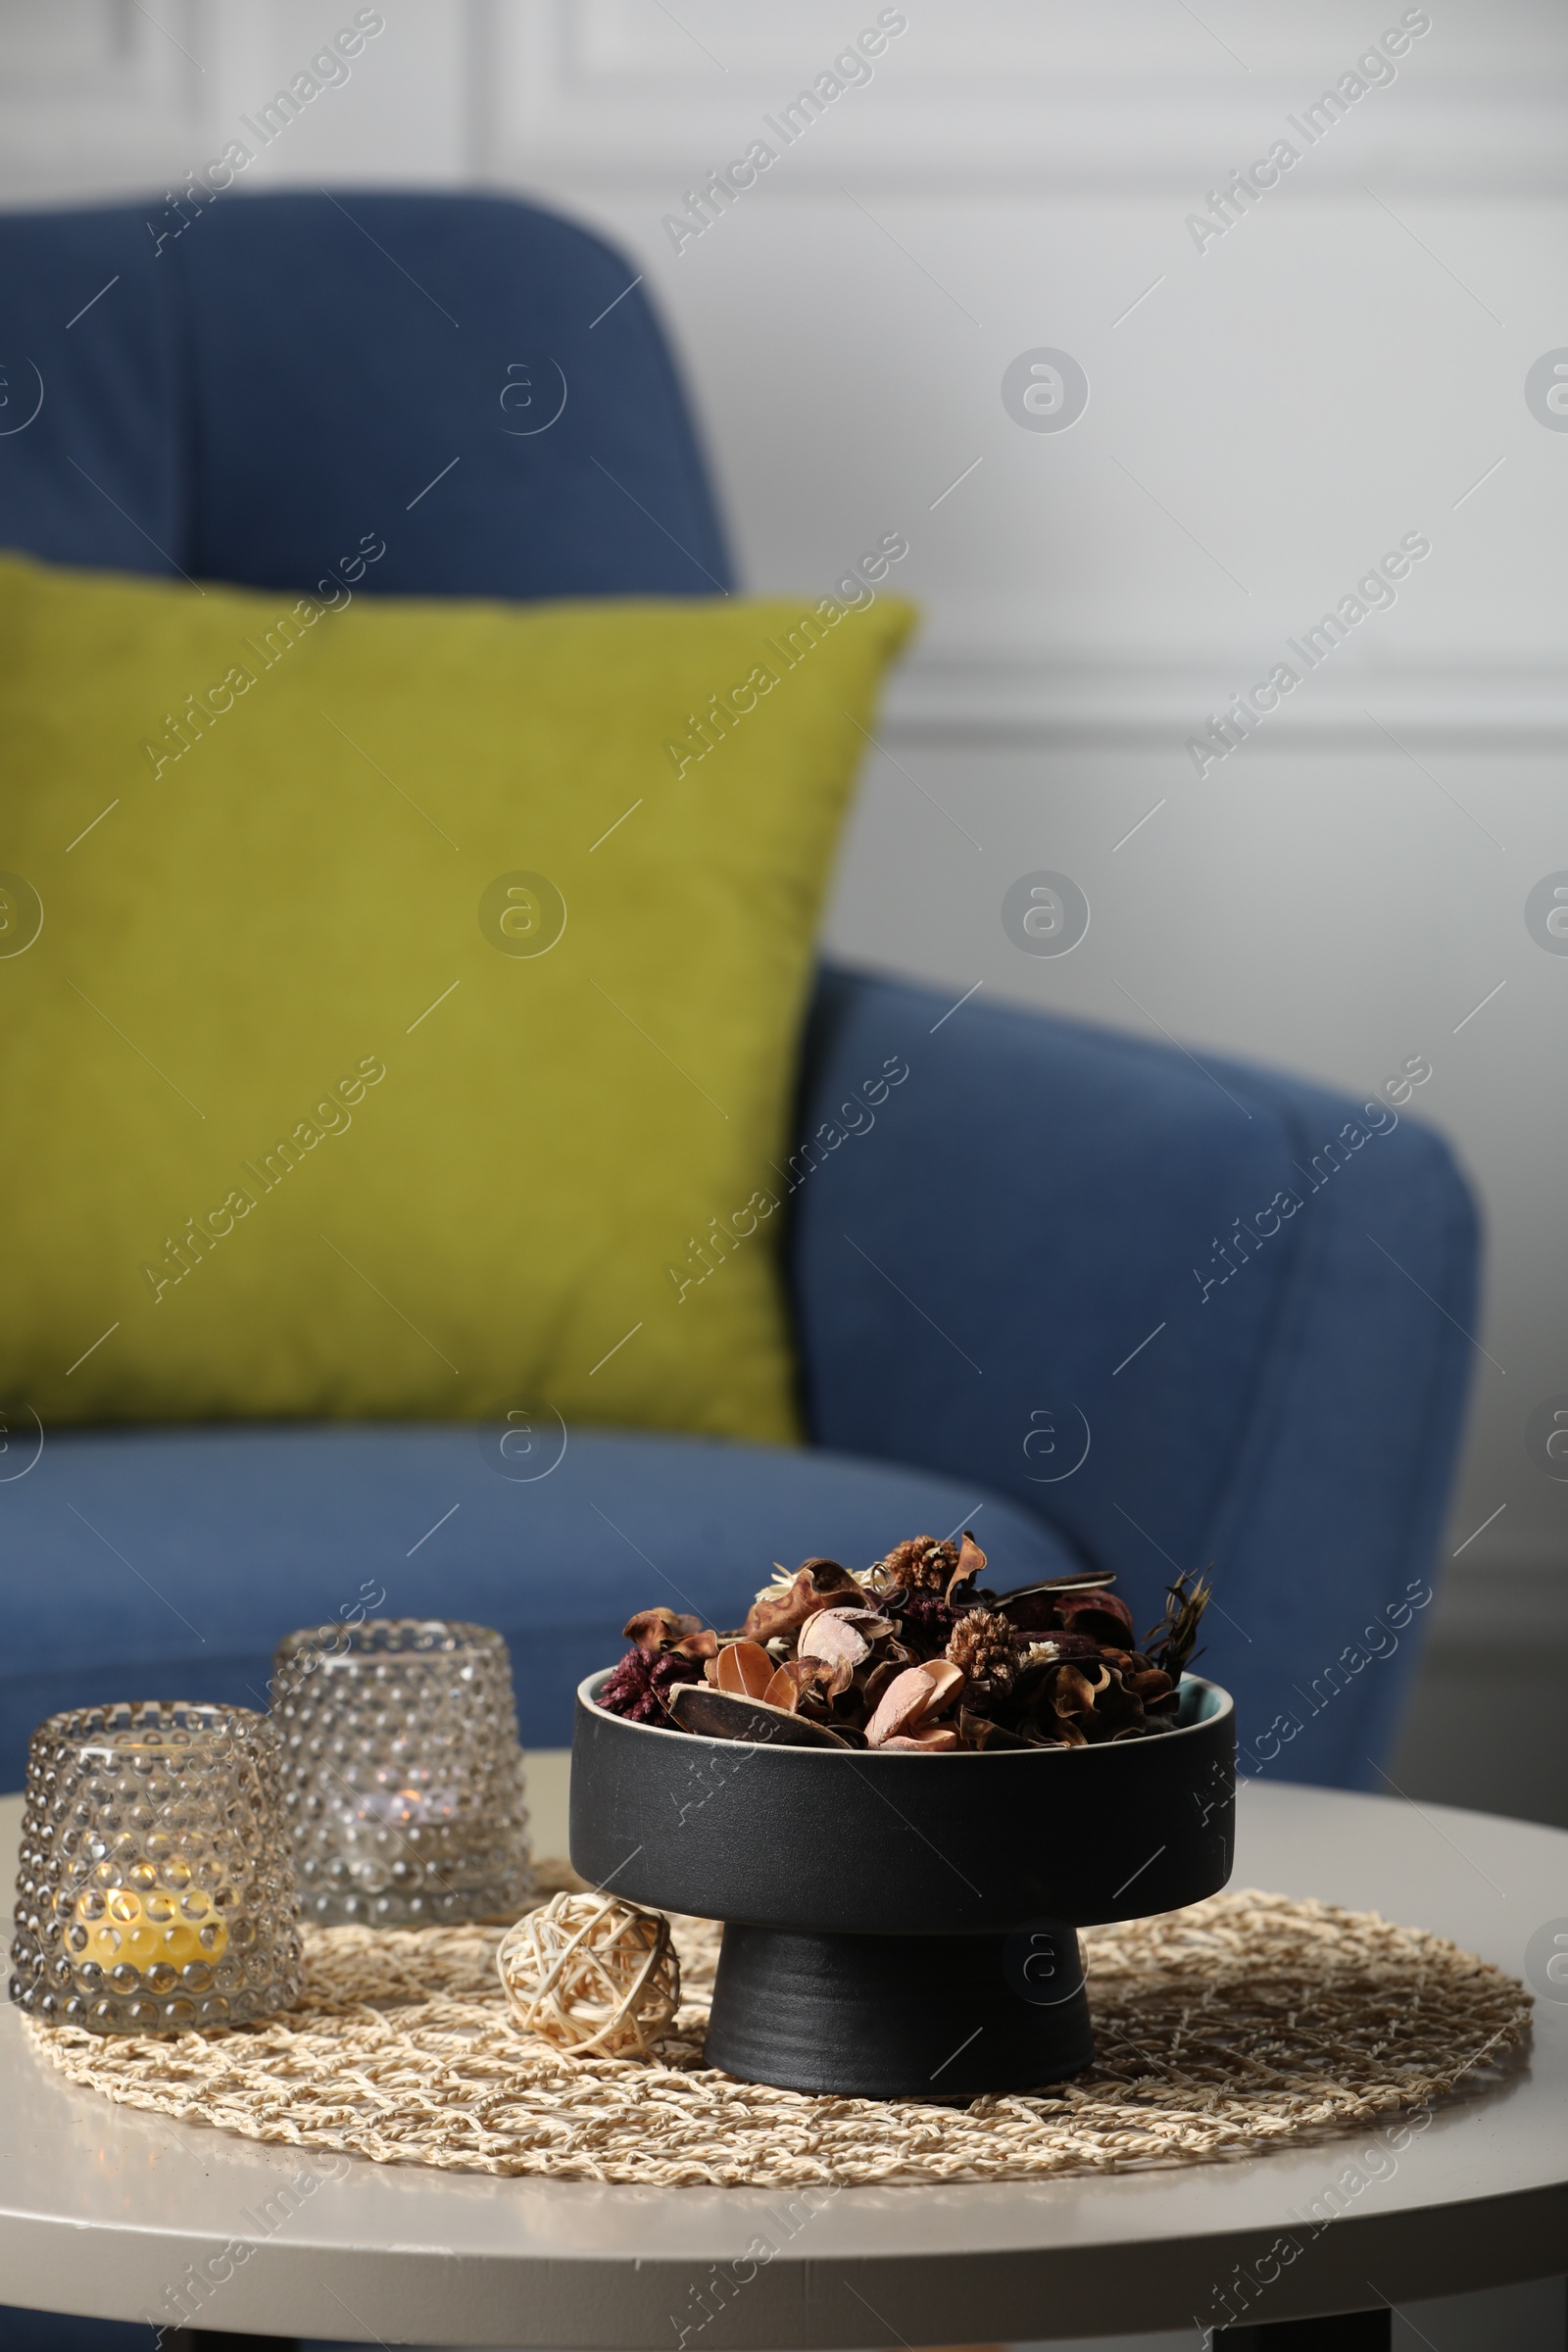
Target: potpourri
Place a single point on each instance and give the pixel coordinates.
(913, 1654)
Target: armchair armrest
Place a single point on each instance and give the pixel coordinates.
(1190, 1313)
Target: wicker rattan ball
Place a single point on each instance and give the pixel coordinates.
(591, 1973)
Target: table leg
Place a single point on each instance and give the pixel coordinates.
(1344, 2331)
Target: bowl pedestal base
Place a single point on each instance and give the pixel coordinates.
(901, 2016)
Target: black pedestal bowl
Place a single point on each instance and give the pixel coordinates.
(898, 1925)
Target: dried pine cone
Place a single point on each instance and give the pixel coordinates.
(638, 1685)
(921, 1564)
(985, 1646)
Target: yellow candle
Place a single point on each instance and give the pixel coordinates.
(148, 1926)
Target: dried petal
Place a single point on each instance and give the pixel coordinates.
(978, 1731)
(971, 1561)
(743, 1666)
(783, 1691)
(1078, 1686)
(878, 1678)
(940, 1740)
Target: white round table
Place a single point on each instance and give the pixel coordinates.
(112, 2213)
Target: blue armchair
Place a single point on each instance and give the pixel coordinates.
(1099, 1301)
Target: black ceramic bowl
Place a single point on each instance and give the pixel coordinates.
(901, 1925)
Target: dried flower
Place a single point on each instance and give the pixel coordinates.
(925, 1621)
(985, 1647)
(920, 1564)
(638, 1686)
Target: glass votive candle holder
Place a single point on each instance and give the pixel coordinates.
(155, 1887)
(402, 1774)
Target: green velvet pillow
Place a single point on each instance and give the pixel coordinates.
(399, 1000)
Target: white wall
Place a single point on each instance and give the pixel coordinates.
(1343, 365)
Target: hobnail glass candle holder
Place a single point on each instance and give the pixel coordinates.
(156, 1888)
(402, 1773)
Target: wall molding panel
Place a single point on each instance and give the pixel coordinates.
(1022, 98)
(1268, 408)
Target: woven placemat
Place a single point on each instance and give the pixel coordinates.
(1244, 2022)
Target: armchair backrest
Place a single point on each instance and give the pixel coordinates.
(245, 389)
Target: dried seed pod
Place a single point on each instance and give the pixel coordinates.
(837, 1646)
(872, 1623)
(728, 1715)
(947, 1682)
(657, 1631)
(782, 1607)
(902, 1704)
(1080, 1580)
(911, 1697)
(1033, 1609)
(1103, 1616)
